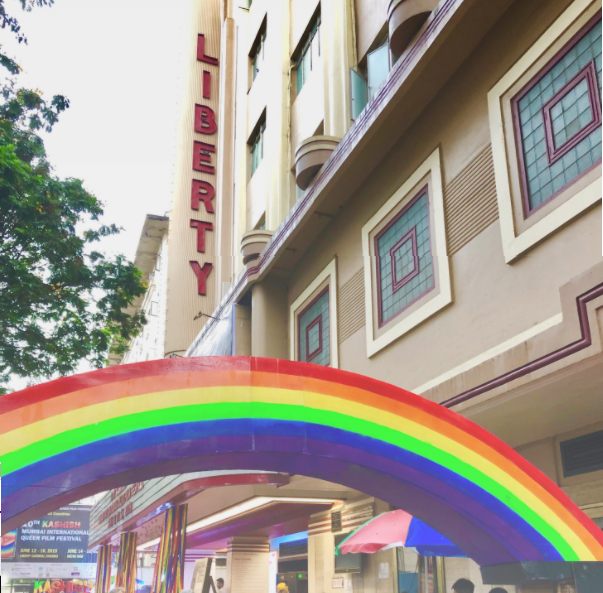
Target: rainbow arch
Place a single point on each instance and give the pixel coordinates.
(68, 438)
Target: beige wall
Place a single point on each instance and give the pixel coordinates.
(371, 21)
(492, 301)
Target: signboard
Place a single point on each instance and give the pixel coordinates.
(60, 536)
(54, 546)
(203, 190)
(140, 502)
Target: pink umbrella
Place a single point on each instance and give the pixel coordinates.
(387, 529)
(397, 528)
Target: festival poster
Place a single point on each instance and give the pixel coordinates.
(60, 536)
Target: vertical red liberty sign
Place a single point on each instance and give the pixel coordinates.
(203, 191)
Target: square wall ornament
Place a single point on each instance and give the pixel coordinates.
(407, 275)
(545, 123)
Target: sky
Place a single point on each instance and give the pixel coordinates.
(121, 64)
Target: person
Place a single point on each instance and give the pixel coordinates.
(282, 586)
(220, 584)
(498, 590)
(463, 586)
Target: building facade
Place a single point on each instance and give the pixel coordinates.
(151, 260)
(410, 190)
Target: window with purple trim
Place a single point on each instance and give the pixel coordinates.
(405, 270)
(557, 117)
(313, 339)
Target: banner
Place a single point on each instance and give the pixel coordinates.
(60, 536)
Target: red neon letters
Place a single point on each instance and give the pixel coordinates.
(203, 190)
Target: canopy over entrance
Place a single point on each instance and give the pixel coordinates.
(74, 436)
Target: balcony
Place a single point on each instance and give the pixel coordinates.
(405, 18)
(310, 156)
(252, 245)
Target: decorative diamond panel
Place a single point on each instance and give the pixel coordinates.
(558, 121)
(313, 343)
(404, 261)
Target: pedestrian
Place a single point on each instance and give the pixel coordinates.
(498, 590)
(220, 584)
(282, 586)
(463, 586)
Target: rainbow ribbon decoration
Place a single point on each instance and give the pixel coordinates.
(169, 565)
(103, 568)
(126, 562)
(69, 438)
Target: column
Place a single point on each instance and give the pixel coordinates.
(337, 20)
(103, 569)
(248, 565)
(126, 562)
(321, 553)
(169, 565)
(269, 319)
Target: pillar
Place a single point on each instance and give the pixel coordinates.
(169, 566)
(338, 57)
(103, 569)
(321, 550)
(269, 315)
(126, 562)
(248, 565)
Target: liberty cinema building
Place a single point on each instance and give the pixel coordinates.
(409, 190)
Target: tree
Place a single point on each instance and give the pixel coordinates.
(61, 300)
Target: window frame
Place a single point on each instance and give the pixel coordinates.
(521, 226)
(412, 234)
(257, 48)
(379, 335)
(305, 48)
(325, 281)
(256, 140)
(577, 479)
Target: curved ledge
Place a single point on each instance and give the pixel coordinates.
(253, 243)
(311, 154)
(405, 18)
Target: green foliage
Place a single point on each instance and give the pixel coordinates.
(61, 301)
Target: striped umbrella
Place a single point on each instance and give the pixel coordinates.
(394, 529)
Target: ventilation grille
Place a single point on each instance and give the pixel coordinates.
(351, 306)
(336, 521)
(471, 201)
(583, 454)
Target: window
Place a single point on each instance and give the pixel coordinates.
(313, 321)
(558, 120)
(309, 54)
(582, 454)
(313, 331)
(405, 269)
(256, 145)
(256, 55)
(365, 85)
(407, 277)
(377, 69)
(545, 122)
